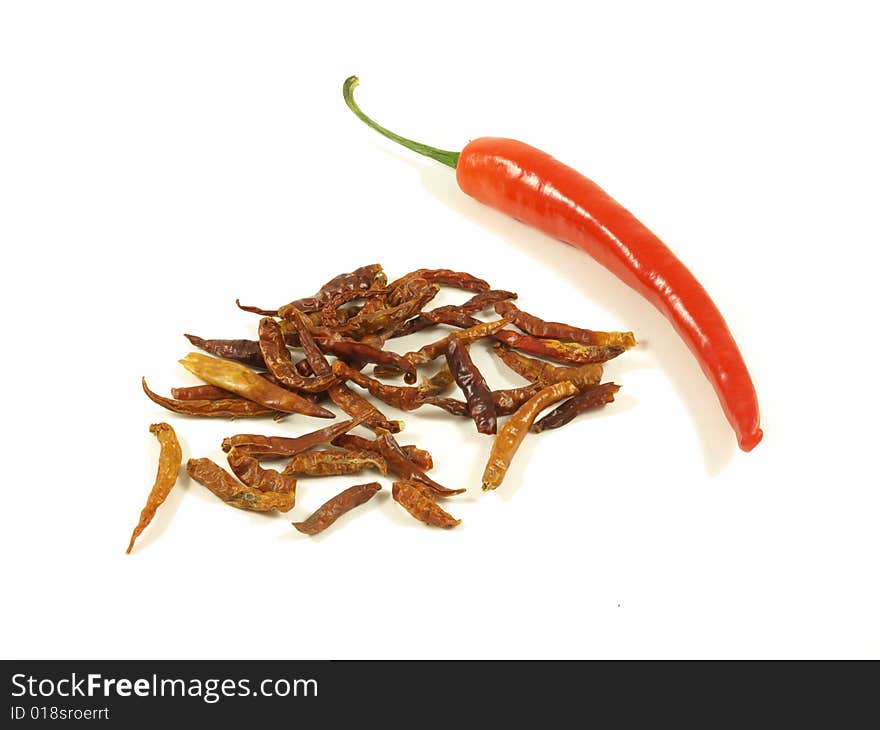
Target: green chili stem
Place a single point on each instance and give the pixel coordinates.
(444, 156)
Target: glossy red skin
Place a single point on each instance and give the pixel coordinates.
(537, 189)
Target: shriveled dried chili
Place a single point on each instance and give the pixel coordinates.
(539, 371)
(532, 325)
(477, 331)
(327, 463)
(334, 508)
(515, 429)
(419, 457)
(477, 393)
(280, 363)
(246, 352)
(343, 396)
(447, 277)
(415, 499)
(588, 400)
(360, 279)
(407, 398)
(170, 458)
(361, 352)
(249, 471)
(567, 352)
(272, 447)
(506, 401)
(225, 486)
(239, 379)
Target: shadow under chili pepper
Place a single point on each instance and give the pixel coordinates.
(673, 356)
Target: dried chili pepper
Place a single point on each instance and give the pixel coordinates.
(329, 315)
(532, 325)
(537, 189)
(332, 463)
(387, 320)
(477, 393)
(476, 303)
(505, 401)
(543, 372)
(281, 365)
(229, 407)
(405, 398)
(334, 508)
(515, 429)
(246, 352)
(342, 396)
(419, 457)
(170, 458)
(360, 279)
(399, 464)
(363, 353)
(245, 382)
(590, 399)
(567, 352)
(199, 392)
(249, 471)
(270, 447)
(435, 349)
(447, 277)
(414, 498)
(225, 486)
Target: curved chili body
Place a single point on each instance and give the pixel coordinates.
(537, 189)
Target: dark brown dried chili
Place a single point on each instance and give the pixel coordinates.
(246, 352)
(477, 393)
(588, 400)
(363, 353)
(506, 401)
(334, 508)
(225, 486)
(415, 499)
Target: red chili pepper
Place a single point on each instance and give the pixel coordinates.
(537, 189)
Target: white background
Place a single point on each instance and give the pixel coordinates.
(158, 160)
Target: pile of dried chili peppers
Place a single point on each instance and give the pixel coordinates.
(351, 319)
